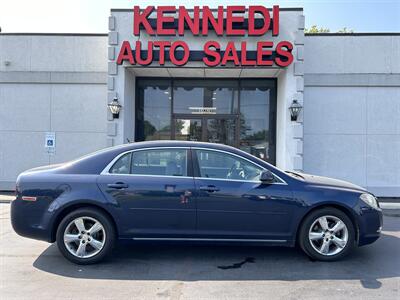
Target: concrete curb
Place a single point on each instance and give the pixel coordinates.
(6, 198)
(389, 205)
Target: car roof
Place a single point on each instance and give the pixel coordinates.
(94, 162)
(171, 143)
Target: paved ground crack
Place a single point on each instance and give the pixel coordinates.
(239, 264)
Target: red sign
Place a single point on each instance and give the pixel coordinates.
(229, 21)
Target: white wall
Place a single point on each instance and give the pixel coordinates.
(352, 109)
(55, 84)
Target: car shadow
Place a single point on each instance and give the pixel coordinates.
(185, 262)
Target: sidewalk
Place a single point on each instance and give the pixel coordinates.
(6, 197)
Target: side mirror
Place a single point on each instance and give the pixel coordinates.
(267, 177)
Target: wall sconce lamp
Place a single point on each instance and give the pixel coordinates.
(115, 107)
(295, 109)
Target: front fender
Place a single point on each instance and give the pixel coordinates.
(314, 199)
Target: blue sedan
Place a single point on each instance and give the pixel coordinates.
(189, 191)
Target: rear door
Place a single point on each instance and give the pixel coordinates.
(233, 204)
(153, 188)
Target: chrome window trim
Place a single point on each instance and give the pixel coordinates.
(108, 167)
(234, 180)
(147, 175)
(283, 182)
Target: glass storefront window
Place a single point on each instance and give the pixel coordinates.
(257, 118)
(221, 131)
(193, 96)
(153, 110)
(236, 112)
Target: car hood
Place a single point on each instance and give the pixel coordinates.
(331, 182)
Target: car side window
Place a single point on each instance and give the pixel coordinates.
(166, 162)
(220, 165)
(122, 165)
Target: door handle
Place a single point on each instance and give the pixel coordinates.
(263, 197)
(117, 185)
(209, 188)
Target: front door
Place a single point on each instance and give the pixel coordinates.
(153, 189)
(220, 129)
(233, 204)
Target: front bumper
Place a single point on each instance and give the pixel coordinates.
(370, 225)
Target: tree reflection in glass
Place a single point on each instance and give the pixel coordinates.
(257, 124)
(153, 115)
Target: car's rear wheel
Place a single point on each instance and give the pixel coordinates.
(327, 234)
(85, 236)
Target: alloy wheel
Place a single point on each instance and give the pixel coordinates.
(84, 237)
(328, 235)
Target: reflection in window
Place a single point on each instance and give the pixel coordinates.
(167, 162)
(122, 165)
(220, 96)
(221, 131)
(237, 112)
(257, 118)
(188, 130)
(220, 165)
(153, 110)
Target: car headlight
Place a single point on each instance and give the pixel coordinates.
(370, 200)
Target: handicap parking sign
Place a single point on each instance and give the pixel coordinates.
(50, 142)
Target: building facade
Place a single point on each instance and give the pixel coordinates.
(227, 84)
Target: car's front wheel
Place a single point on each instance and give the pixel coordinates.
(327, 234)
(85, 236)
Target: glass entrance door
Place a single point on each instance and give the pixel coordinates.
(213, 129)
(188, 129)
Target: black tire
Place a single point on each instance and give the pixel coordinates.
(305, 242)
(109, 239)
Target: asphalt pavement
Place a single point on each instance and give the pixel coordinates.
(32, 269)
